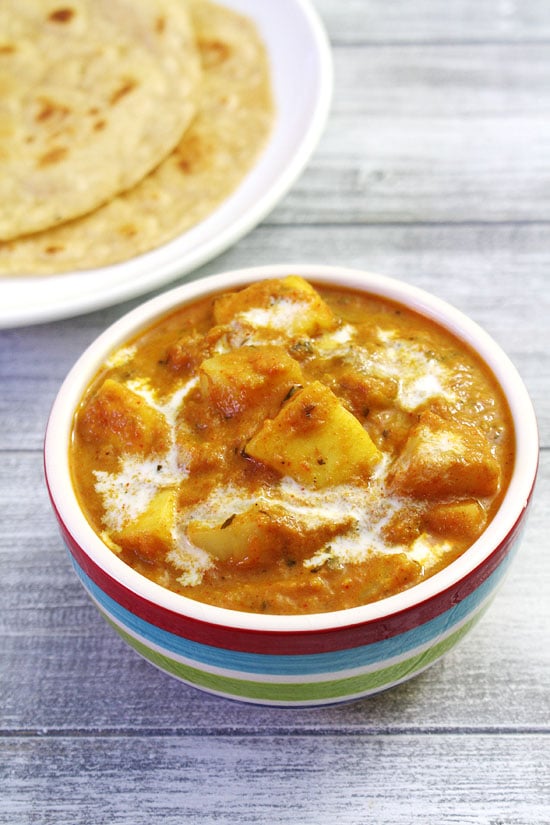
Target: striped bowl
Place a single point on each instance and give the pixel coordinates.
(293, 660)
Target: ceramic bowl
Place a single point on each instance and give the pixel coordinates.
(293, 660)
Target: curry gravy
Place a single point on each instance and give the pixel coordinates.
(285, 448)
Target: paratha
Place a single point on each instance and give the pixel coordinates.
(234, 118)
(94, 94)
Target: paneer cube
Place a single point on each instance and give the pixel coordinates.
(315, 440)
(443, 457)
(118, 419)
(290, 304)
(249, 378)
(150, 535)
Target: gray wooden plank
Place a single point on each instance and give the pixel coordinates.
(431, 171)
(430, 134)
(419, 82)
(355, 779)
(401, 22)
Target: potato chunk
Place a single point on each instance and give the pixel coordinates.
(289, 303)
(245, 538)
(263, 534)
(118, 419)
(460, 519)
(250, 377)
(443, 458)
(150, 535)
(315, 440)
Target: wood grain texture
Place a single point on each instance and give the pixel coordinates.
(267, 778)
(400, 22)
(433, 168)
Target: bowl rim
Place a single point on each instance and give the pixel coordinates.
(514, 504)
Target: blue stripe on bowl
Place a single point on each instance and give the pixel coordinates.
(306, 692)
(303, 664)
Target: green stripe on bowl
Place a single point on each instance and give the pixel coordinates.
(300, 692)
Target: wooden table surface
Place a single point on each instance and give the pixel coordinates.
(434, 168)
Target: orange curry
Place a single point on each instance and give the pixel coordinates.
(287, 449)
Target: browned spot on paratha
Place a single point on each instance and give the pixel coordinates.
(55, 155)
(49, 109)
(193, 152)
(124, 89)
(63, 15)
(128, 230)
(213, 52)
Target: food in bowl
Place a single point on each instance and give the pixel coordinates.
(292, 543)
(124, 127)
(290, 448)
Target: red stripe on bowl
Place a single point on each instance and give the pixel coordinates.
(292, 642)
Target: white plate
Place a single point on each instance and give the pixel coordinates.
(302, 77)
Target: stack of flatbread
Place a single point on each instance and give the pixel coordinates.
(122, 124)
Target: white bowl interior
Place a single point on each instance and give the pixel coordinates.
(61, 421)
